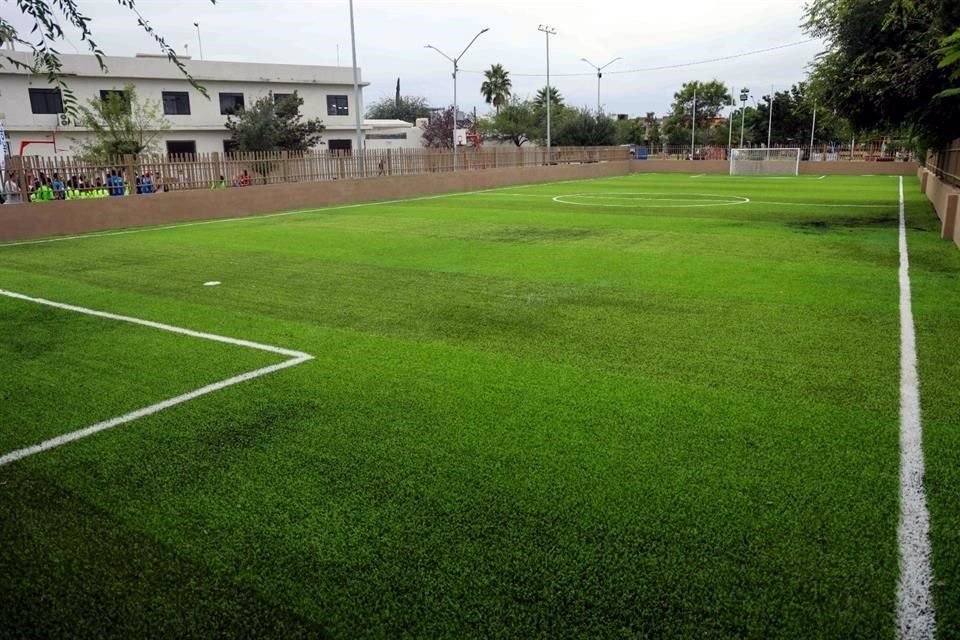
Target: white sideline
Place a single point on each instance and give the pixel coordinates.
(296, 357)
(915, 615)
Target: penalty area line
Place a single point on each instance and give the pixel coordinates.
(295, 358)
(915, 614)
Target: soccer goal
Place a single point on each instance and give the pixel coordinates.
(764, 162)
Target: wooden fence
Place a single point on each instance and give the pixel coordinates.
(945, 163)
(211, 170)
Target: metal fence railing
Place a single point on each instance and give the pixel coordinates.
(870, 152)
(64, 177)
(945, 163)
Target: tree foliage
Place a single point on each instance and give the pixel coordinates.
(49, 18)
(556, 99)
(407, 108)
(270, 125)
(880, 67)
(438, 133)
(792, 120)
(583, 128)
(497, 86)
(711, 96)
(516, 122)
(119, 124)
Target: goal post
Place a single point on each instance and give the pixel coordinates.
(764, 162)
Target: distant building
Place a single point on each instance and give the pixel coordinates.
(32, 112)
(393, 134)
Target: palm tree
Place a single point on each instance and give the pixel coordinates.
(496, 88)
(556, 99)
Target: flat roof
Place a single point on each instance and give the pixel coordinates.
(159, 68)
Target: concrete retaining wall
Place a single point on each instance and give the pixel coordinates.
(25, 221)
(946, 201)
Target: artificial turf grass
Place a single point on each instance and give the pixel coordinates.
(935, 278)
(88, 369)
(619, 474)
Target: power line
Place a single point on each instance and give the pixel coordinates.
(664, 67)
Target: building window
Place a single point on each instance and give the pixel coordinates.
(337, 106)
(386, 136)
(231, 103)
(229, 146)
(340, 145)
(46, 101)
(277, 97)
(176, 103)
(105, 94)
(182, 147)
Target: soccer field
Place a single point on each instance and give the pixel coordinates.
(659, 406)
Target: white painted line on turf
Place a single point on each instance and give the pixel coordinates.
(915, 615)
(296, 357)
(699, 175)
(821, 177)
(826, 204)
(718, 201)
(212, 283)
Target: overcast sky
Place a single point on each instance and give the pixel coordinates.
(391, 35)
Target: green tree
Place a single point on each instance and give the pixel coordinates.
(120, 123)
(497, 86)
(407, 108)
(951, 59)
(438, 133)
(711, 98)
(630, 131)
(880, 68)
(516, 122)
(555, 98)
(49, 18)
(583, 128)
(270, 125)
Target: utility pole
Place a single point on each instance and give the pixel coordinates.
(770, 121)
(733, 108)
(693, 123)
(813, 128)
(456, 68)
(356, 90)
(600, 75)
(548, 31)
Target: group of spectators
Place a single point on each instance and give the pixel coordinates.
(48, 187)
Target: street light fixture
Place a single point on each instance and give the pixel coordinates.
(199, 41)
(744, 94)
(548, 31)
(600, 75)
(456, 68)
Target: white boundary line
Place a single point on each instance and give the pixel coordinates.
(296, 357)
(915, 614)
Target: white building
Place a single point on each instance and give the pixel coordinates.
(393, 134)
(31, 110)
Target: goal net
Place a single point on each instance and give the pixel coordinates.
(764, 162)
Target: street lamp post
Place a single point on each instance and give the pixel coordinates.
(744, 94)
(199, 40)
(356, 95)
(456, 67)
(600, 75)
(548, 31)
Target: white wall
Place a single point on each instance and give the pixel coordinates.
(204, 124)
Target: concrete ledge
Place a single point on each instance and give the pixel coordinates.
(946, 202)
(38, 220)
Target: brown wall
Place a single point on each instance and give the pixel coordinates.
(839, 168)
(25, 221)
(946, 201)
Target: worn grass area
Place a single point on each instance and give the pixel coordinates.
(635, 412)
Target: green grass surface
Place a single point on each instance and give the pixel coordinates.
(525, 418)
